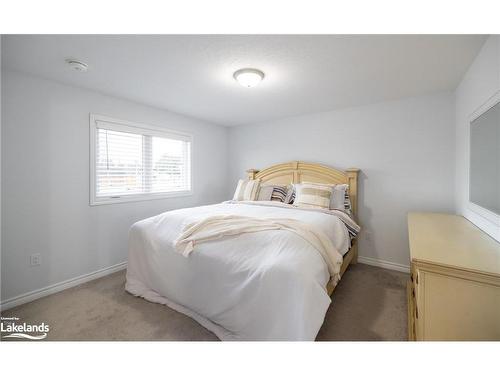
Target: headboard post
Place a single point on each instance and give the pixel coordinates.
(352, 176)
(251, 173)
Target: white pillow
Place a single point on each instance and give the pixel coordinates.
(338, 197)
(246, 190)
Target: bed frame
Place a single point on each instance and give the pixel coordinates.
(298, 171)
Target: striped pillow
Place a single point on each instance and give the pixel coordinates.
(340, 199)
(313, 195)
(279, 193)
(246, 190)
(276, 193)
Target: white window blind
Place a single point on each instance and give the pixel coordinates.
(136, 162)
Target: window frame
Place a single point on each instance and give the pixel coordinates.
(143, 129)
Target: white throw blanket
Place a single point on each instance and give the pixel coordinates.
(216, 227)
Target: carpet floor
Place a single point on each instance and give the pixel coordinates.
(368, 304)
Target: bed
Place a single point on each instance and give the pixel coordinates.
(253, 286)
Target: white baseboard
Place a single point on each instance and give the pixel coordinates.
(54, 288)
(384, 264)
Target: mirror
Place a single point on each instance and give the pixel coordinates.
(484, 183)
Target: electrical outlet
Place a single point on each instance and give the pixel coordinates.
(35, 259)
(368, 236)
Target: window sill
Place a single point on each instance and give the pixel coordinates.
(139, 198)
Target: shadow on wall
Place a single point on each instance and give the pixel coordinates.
(364, 217)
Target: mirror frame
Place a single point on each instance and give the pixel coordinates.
(482, 211)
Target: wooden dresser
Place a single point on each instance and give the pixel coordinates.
(454, 286)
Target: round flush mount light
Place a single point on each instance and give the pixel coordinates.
(248, 77)
(77, 65)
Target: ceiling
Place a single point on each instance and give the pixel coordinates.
(192, 74)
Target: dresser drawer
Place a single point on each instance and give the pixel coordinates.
(453, 307)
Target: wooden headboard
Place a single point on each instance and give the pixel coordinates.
(299, 171)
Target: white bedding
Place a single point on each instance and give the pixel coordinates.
(255, 286)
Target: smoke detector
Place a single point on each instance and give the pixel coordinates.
(77, 65)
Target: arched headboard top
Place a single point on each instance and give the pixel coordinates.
(298, 171)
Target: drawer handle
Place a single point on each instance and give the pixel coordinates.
(416, 312)
(411, 277)
(413, 293)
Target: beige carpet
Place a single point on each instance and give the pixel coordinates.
(368, 304)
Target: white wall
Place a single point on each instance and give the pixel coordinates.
(480, 83)
(404, 148)
(45, 181)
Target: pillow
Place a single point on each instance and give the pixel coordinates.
(265, 193)
(290, 197)
(347, 202)
(340, 199)
(340, 192)
(246, 190)
(313, 195)
(277, 193)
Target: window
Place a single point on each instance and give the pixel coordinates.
(131, 162)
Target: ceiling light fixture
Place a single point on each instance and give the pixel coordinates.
(77, 65)
(248, 77)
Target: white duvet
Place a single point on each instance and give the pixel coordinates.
(266, 285)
